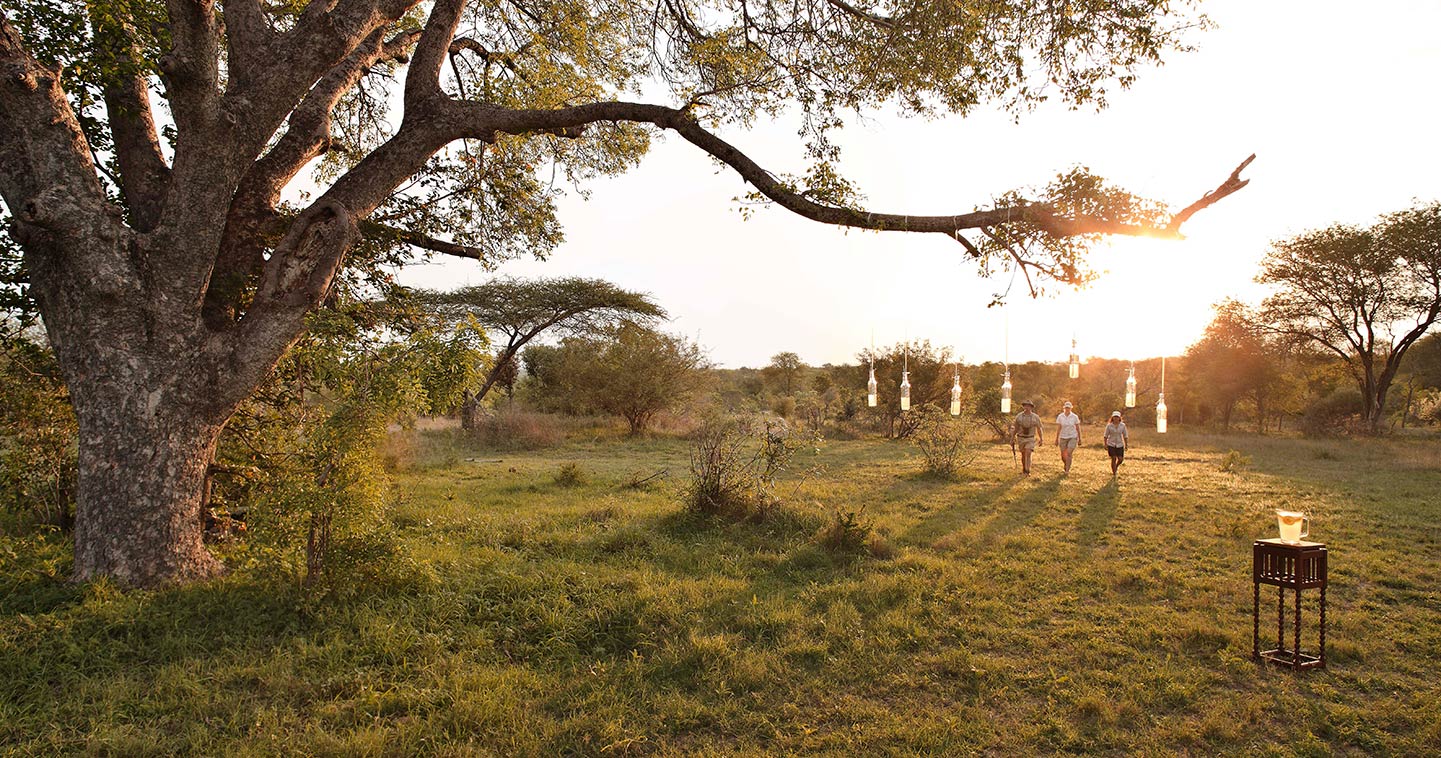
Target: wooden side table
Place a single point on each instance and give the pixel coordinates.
(1296, 567)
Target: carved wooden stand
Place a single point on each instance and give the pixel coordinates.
(1297, 567)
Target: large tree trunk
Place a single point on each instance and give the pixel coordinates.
(138, 504)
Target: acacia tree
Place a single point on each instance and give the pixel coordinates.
(635, 375)
(171, 276)
(784, 368)
(1363, 295)
(520, 310)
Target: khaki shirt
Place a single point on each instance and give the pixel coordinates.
(1027, 424)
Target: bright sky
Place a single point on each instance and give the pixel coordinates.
(1337, 101)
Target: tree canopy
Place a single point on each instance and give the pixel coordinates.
(1365, 295)
(517, 311)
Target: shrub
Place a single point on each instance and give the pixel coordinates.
(570, 475)
(519, 430)
(38, 441)
(846, 533)
(306, 452)
(943, 440)
(1335, 413)
(734, 465)
(1233, 462)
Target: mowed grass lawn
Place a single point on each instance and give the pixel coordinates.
(1005, 616)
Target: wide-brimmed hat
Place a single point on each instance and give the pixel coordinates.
(1115, 414)
(1027, 402)
(1067, 404)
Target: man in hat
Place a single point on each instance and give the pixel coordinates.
(1116, 440)
(1026, 431)
(1068, 434)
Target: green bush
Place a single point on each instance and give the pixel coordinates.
(1233, 462)
(734, 465)
(1335, 413)
(308, 451)
(846, 533)
(38, 442)
(944, 441)
(570, 475)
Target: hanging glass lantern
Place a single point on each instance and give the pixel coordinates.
(1131, 388)
(1161, 401)
(871, 387)
(956, 396)
(1006, 393)
(1075, 360)
(905, 390)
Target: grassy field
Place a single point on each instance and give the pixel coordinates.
(573, 615)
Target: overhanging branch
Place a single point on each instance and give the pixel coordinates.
(1233, 183)
(483, 121)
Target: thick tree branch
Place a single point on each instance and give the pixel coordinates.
(425, 242)
(144, 175)
(49, 181)
(192, 66)
(253, 208)
(422, 80)
(248, 35)
(295, 280)
(1233, 183)
(482, 121)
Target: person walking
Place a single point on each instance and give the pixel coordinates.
(1026, 431)
(1068, 435)
(1116, 440)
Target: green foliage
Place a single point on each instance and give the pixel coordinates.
(1365, 296)
(307, 449)
(635, 374)
(944, 440)
(1233, 360)
(570, 475)
(1234, 462)
(37, 434)
(847, 533)
(930, 370)
(1334, 413)
(19, 313)
(1423, 361)
(784, 370)
(1073, 194)
(734, 464)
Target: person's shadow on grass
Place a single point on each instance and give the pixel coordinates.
(1020, 511)
(1097, 515)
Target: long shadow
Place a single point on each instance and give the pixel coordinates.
(1023, 510)
(964, 512)
(1097, 515)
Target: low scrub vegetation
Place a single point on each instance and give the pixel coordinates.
(735, 464)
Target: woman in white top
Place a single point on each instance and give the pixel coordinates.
(1116, 441)
(1068, 434)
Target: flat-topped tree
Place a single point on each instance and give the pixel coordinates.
(516, 311)
(171, 276)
